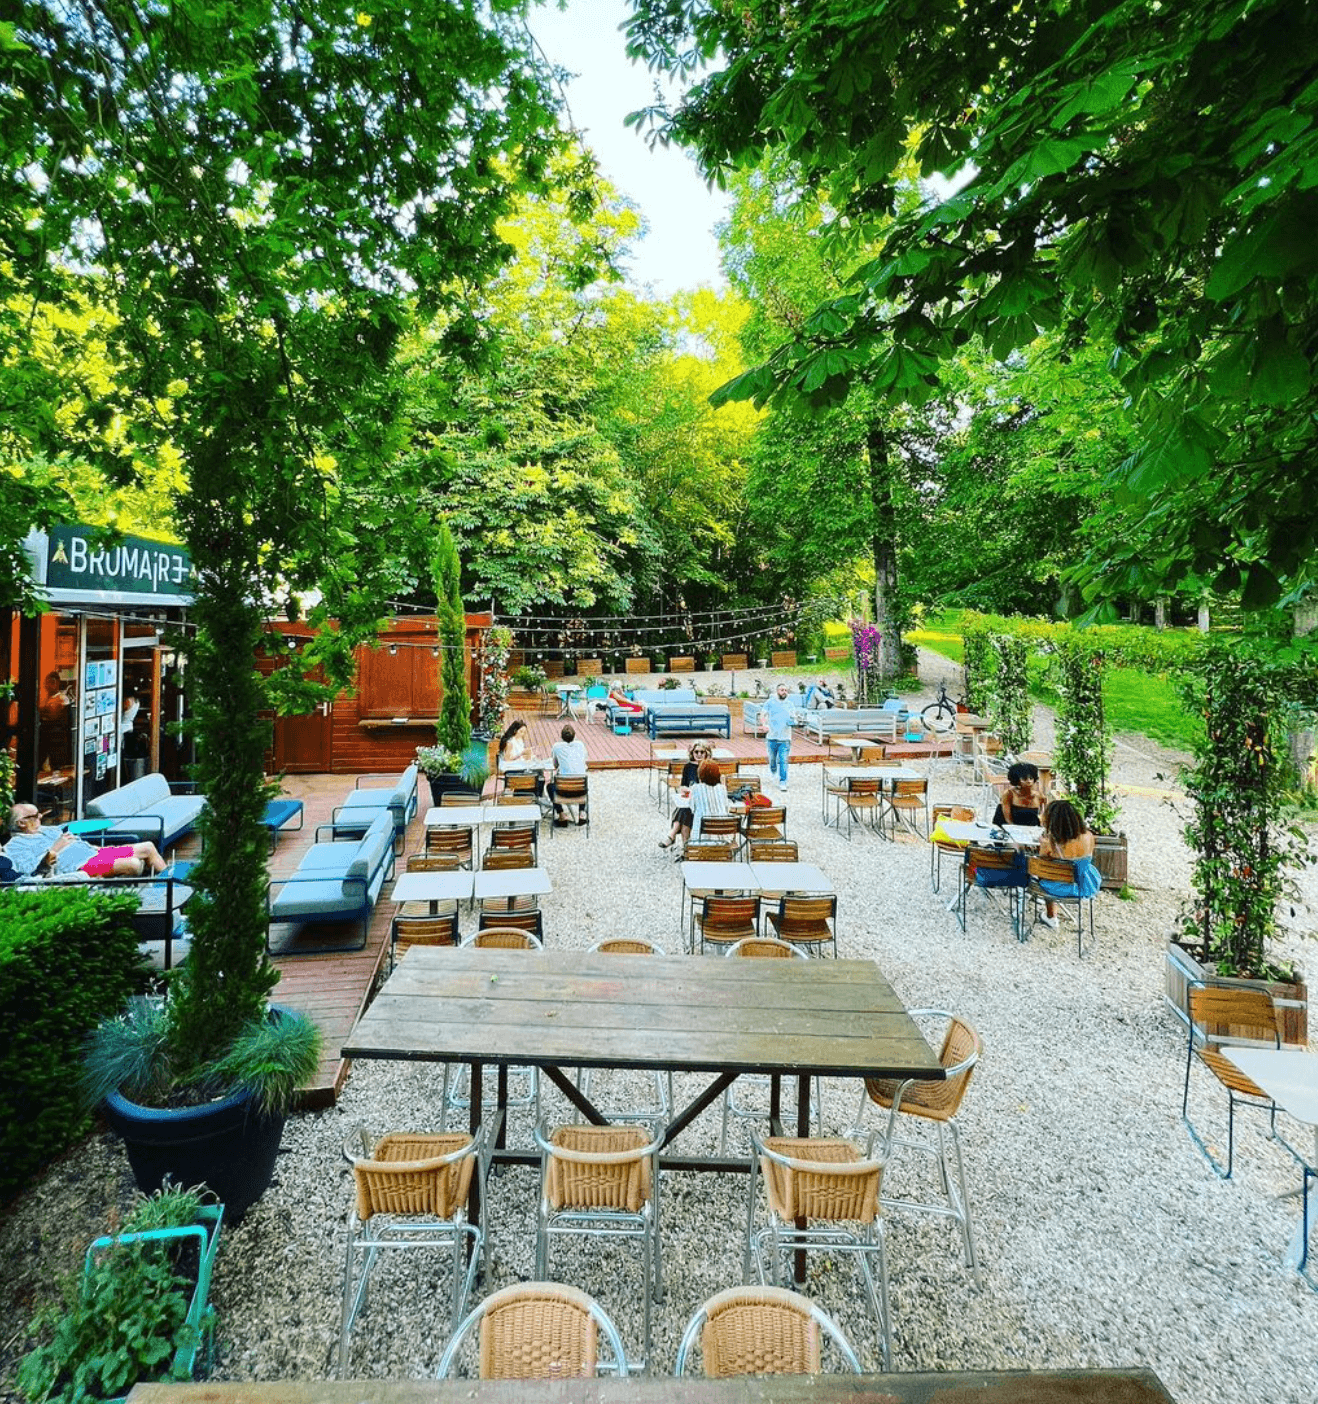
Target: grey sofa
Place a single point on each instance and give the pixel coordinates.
(149, 808)
(878, 722)
(335, 882)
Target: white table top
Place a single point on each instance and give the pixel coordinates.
(463, 816)
(718, 753)
(875, 772)
(567, 687)
(513, 882)
(432, 887)
(855, 742)
(790, 877)
(964, 831)
(722, 877)
(522, 767)
(1288, 1076)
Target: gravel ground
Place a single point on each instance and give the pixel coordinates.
(1105, 1238)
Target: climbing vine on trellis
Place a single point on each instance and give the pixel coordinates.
(1082, 749)
(1245, 852)
(1011, 711)
(975, 664)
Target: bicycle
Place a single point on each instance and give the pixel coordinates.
(940, 714)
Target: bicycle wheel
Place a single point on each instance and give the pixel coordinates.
(938, 716)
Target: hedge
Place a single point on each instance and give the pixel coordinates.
(68, 958)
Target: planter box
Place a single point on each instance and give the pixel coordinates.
(1110, 854)
(200, 1318)
(1183, 969)
(590, 667)
(784, 660)
(553, 667)
(521, 699)
(734, 663)
(837, 655)
(638, 665)
(681, 665)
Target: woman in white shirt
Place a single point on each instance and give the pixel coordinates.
(709, 796)
(512, 751)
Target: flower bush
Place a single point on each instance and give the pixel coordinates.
(865, 647)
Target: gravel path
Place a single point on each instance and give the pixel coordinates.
(1106, 1240)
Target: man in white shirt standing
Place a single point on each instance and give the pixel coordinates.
(776, 722)
(569, 756)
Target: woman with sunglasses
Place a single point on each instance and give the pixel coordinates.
(683, 818)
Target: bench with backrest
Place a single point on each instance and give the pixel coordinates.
(358, 811)
(687, 719)
(149, 808)
(335, 882)
(750, 715)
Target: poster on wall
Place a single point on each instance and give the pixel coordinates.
(109, 673)
(104, 701)
(107, 725)
(91, 729)
(88, 704)
(91, 675)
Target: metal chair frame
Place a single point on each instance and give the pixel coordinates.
(799, 1179)
(663, 1081)
(1057, 870)
(394, 1155)
(856, 794)
(790, 1307)
(593, 1189)
(572, 789)
(797, 915)
(901, 798)
(995, 859)
(1232, 1007)
(937, 1103)
(529, 1298)
(937, 847)
(728, 918)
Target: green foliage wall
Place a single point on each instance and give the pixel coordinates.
(454, 728)
(67, 957)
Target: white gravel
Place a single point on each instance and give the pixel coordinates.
(1106, 1240)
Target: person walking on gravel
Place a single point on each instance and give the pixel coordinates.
(776, 722)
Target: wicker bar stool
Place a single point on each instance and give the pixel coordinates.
(411, 1193)
(938, 1104)
(761, 1331)
(603, 1182)
(832, 1186)
(538, 1331)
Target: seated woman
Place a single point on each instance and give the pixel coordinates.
(709, 796)
(38, 851)
(1023, 798)
(697, 752)
(513, 750)
(1065, 835)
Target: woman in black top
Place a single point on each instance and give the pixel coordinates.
(682, 816)
(1023, 800)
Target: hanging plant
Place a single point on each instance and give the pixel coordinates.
(865, 647)
(1082, 751)
(495, 650)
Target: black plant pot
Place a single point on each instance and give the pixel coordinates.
(225, 1145)
(447, 783)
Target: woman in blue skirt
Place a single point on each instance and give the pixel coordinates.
(1065, 835)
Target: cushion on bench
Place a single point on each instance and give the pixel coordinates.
(162, 815)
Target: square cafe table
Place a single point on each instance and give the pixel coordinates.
(885, 774)
(560, 1010)
(512, 882)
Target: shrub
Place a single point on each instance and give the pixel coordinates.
(68, 959)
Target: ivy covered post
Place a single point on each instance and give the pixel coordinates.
(495, 649)
(1082, 752)
(975, 664)
(1010, 712)
(453, 731)
(1238, 784)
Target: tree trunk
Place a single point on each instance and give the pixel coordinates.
(1160, 612)
(1203, 616)
(1306, 618)
(883, 545)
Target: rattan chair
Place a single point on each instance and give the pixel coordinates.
(938, 847)
(1219, 1017)
(663, 1082)
(978, 861)
(806, 921)
(1064, 870)
(723, 921)
(761, 948)
(936, 1103)
(761, 1331)
(822, 1193)
(603, 1182)
(411, 1193)
(538, 1331)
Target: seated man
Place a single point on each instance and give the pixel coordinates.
(569, 756)
(37, 851)
(820, 695)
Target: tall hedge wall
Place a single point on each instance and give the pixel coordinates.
(67, 959)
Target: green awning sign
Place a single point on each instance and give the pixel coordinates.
(77, 566)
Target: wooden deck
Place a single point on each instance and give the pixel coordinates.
(334, 988)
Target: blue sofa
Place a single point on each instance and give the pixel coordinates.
(149, 808)
(355, 815)
(687, 719)
(335, 882)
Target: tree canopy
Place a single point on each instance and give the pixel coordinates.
(1135, 178)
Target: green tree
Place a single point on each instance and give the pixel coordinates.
(1143, 179)
(261, 190)
(454, 729)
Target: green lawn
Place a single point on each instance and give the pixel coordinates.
(1147, 703)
